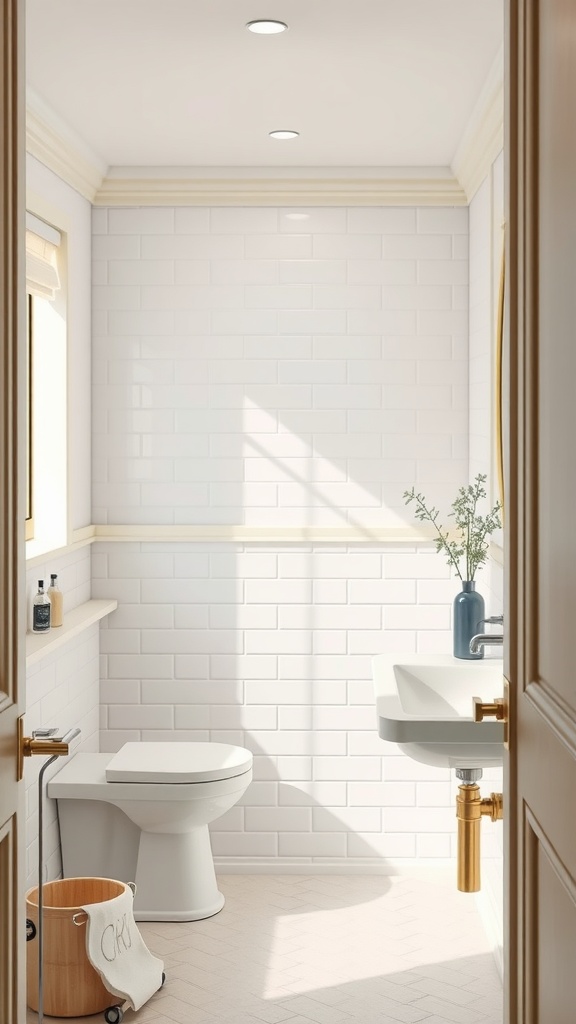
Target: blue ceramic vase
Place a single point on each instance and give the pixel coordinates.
(468, 615)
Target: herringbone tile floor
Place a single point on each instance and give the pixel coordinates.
(329, 949)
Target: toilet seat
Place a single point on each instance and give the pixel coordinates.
(177, 763)
(83, 777)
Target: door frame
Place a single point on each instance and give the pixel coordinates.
(12, 549)
(512, 457)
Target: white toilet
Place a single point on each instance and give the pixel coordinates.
(142, 816)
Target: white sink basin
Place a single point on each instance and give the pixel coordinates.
(424, 703)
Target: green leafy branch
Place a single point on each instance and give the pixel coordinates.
(468, 550)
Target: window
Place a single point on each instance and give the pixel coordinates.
(46, 446)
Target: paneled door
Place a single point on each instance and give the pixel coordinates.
(541, 481)
(12, 446)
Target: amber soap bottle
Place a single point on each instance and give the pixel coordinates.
(56, 601)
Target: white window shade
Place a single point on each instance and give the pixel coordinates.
(42, 276)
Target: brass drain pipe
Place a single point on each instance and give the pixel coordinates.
(470, 808)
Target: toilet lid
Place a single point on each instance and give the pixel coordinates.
(177, 762)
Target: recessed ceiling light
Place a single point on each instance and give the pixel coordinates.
(284, 135)
(264, 27)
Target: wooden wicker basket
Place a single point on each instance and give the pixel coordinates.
(71, 986)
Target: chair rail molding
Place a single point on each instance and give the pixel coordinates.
(404, 535)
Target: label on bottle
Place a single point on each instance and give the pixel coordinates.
(41, 618)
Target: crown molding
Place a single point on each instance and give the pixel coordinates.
(51, 141)
(273, 190)
(483, 138)
(60, 149)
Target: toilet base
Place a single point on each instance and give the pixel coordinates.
(177, 915)
(175, 877)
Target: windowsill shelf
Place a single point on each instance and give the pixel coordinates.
(39, 645)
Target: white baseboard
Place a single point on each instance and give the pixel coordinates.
(351, 866)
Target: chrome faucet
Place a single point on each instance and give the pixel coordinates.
(488, 639)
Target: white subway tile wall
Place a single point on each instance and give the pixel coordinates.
(277, 367)
(62, 690)
(224, 643)
(274, 367)
(481, 329)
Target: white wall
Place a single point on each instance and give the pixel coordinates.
(277, 367)
(316, 415)
(254, 367)
(486, 220)
(481, 330)
(63, 689)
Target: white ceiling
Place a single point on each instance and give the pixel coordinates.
(367, 83)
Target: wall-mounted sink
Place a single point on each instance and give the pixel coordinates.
(424, 703)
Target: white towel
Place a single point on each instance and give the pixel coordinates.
(117, 950)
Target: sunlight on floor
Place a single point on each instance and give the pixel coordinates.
(329, 949)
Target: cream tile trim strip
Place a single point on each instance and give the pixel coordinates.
(278, 191)
(232, 535)
(248, 535)
(78, 539)
(263, 535)
(85, 535)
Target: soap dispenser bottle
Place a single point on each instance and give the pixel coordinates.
(56, 601)
(41, 610)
